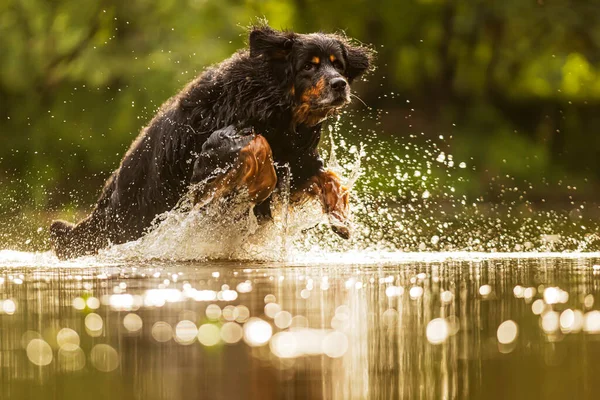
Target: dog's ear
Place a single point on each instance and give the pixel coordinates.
(270, 43)
(358, 59)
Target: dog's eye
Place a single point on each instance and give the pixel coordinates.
(308, 66)
(338, 65)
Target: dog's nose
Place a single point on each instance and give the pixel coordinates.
(338, 84)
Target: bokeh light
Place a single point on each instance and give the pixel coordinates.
(591, 322)
(588, 301)
(93, 324)
(284, 345)
(67, 336)
(507, 332)
(519, 291)
(485, 290)
(437, 331)
(71, 358)
(528, 293)
(8, 306)
(257, 332)
(39, 352)
(283, 319)
(185, 332)
(415, 292)
(270, 298)
(228, 295)
(550, 322)
(271, 309)
(93, 303)
(230, 313)
(538, 307)
(162, 331)
(78, 303)
(389, 318)
(158, 297)
(209, 334)
(231, 332)
(394, 291)
(335, 344)
(213, 312)
(446, 297)
(125, 302)
(104, 358)
(552, 295)
(571, 321)
(310, 341)
(132, 322)
(243, 313)
(244, 287)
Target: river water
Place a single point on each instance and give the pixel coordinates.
(401, 326)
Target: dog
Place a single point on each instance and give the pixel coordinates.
(230, 128)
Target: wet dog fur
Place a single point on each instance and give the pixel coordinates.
(229, 127)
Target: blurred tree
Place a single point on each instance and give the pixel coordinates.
(516, 83)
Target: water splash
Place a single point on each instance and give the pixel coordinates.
(412, 196)
(402, 205)
(408, 196)
(222, 229)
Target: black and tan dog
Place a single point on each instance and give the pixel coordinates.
(227, 129)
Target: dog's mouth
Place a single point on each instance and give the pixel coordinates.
(328, 107)
(314, 112)
(339, 102)
(332, 102)
(325, 111)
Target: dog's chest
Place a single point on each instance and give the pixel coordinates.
(293, 144)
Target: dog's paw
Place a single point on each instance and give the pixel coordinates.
(334, 198)
(342, 230)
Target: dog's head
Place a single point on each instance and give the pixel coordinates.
(317, 69)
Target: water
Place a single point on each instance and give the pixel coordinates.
(405, 326)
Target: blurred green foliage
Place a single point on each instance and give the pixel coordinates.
(516, 83)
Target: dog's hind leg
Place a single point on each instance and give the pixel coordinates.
(70, 240)
(233, 160)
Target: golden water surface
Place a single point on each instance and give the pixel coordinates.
(505, 328)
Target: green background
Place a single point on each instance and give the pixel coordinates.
(513, 86)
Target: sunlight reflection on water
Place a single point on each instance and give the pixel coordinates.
(447, 325)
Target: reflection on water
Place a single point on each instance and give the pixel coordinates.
(493, 328)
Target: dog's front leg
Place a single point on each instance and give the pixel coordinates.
(333, 196)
